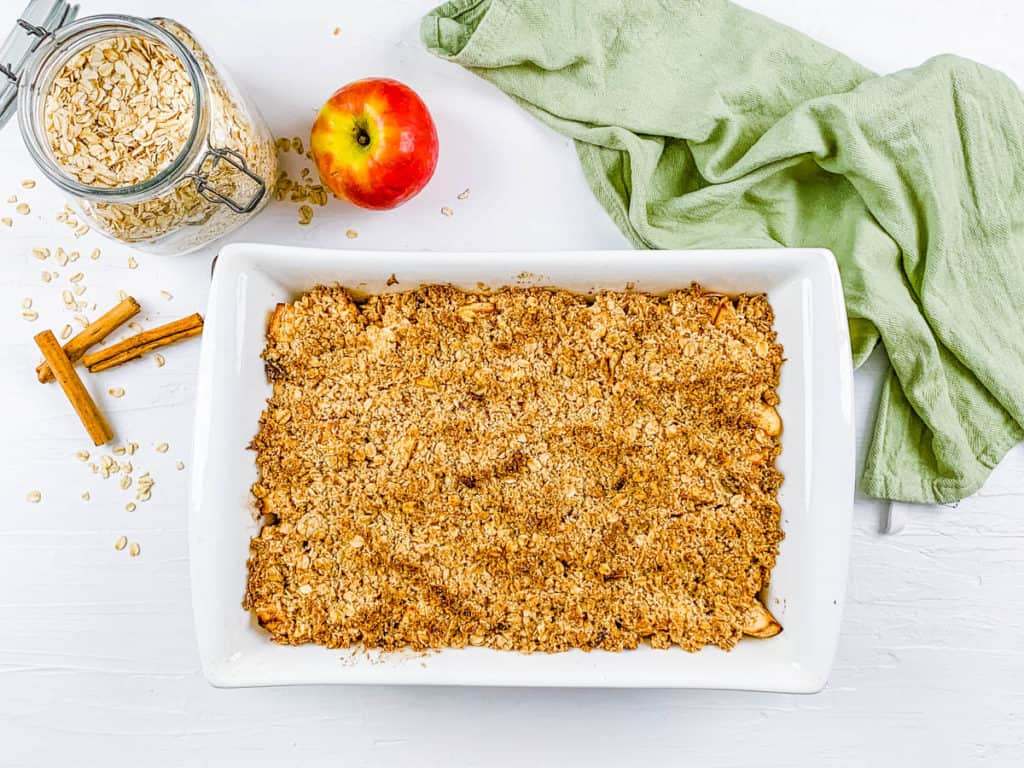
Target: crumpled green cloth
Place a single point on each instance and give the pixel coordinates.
(702, 124)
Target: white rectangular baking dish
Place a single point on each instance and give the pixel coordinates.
(809, 580)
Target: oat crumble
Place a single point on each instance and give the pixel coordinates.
(522, 470)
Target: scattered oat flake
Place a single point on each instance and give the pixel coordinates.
(41, 253)
(12, 199)
(7, 221)
(130, 506)
(132, 263)
(76, 277)
(351, 234)
(62, 257)
(167, 295)
(160, 360)
(28, 183)
(180, 465)
(122, 295)
(116, 391)
(464, 194)
(82, 320)
(95, 254)
(66, 331)
(297, 145)
(162, 447)
(82, 455)
(85, 496)
(134, 549)
(82, 229)
(23, 209)
(446, 211)
(305, 214)
(337, 31)
(132, 448)
(79, 290)
(126, 482)
(120, 450)
(45, 276)
(121, 543)
(26, 303)
(31, 315)
(34, 497)
(74, 256)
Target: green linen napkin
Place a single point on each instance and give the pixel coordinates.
(702, 124)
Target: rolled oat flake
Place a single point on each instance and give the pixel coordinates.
(166, 182)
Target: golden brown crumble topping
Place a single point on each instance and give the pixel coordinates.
(526, 469)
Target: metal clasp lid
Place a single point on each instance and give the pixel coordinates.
(236, 161)
(39, 20)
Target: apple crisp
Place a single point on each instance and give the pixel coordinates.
(527, 469)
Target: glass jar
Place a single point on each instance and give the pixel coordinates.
(218, 179)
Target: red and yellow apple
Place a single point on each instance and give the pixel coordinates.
(374, 143)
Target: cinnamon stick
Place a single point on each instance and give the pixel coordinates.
(97, 331)
(136, 346)
(63, 370)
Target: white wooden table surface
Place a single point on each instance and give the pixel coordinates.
(97, 660)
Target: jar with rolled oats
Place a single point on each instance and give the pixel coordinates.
(136, 122)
